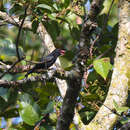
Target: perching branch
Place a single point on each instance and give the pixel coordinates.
(8, 84)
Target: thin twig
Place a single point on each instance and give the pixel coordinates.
(92, 45)
(3, 63)
(12, 19)
(12, 66)
(113, 111)
(86, 74)
(2, 24)
(85, 77)
(43, 120)
(100, 56)
(20, 28)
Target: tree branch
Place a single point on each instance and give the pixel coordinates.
(69, 102)
(14, 20)
(8, 84)
(12, 66)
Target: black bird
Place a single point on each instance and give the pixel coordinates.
(47, 61)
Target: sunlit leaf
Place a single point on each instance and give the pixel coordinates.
(113, 13)
(65, 63)
(28, 109)
(102, 66)
(122, 109)
(52, 17)
(44, 6)
(53, 117)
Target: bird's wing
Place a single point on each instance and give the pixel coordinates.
(47, 59)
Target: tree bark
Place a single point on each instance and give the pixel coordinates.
(69, 102)
(118, 91)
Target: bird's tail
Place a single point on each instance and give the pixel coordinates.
(29, 72)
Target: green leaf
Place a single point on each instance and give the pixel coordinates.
(35, 0)
(10, 112)
(53, 117)
(16, 9)
(63, 19)
(91, 97)
(4, 93)
(50, 108)
(125, 120)
(113, 19)
(102, 66)
(28, 109)
(122, 109)
(44, 6)
(35, 24)
(75, 33)
(66, 3)
(65, 63)
(52, 25)
(12, 129)
(47, 127)
(52, 16)
(86, 116)
(50, 89)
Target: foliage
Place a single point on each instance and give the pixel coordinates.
(102, 66)
(38, 99)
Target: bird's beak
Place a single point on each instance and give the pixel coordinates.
(62, 52)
